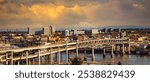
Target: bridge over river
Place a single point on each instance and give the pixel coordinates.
(28, 54)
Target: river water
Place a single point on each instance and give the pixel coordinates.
(125, 60)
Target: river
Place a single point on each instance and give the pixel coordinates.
(125, 60)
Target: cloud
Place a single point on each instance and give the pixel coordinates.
(2, 1)
(37, 13)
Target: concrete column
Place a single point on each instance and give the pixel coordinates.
(129, 47)
(93, 55)
(67, 57)
(6, 58)
(59, 55)
(77, 53)
(39, 55)
(51, 56)
(112, 51)
(21, 56)
(85, 58)
(12, 54)
(114, 47)
(27, 53)
(123, 50)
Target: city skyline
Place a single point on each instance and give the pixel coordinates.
(61, 13)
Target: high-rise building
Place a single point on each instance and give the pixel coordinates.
(67, 33)
(48, 30)
(31, 31)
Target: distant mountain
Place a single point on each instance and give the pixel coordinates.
(81, 25)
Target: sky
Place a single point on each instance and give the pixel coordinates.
(61, 13)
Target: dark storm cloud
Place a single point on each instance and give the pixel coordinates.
(64, 12)
(2, 1)
(68, 3)
(126, 12)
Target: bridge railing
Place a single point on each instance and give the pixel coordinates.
(87, 42)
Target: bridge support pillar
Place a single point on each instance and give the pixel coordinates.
(77, 53)
(27, 53)
(104, 53)
(6, 58)
(123, 49)
(59, 55)
(12, 54)
(112, 51)
(39, 57)
(67, 56)
(93, 55)
(51, 57)
(129, 50)
(20, 61)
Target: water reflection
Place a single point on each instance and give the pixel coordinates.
(125, 60)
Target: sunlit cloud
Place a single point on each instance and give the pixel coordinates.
(37, 13)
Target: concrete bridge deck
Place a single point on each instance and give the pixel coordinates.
(13, 55)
